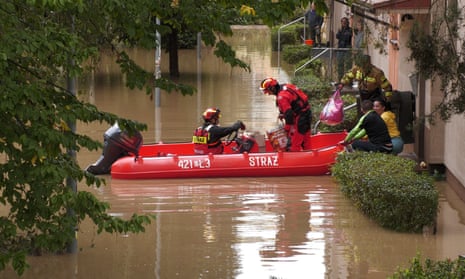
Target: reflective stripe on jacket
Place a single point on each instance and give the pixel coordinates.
(367, 82)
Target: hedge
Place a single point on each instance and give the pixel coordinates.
(446, 269)
(290, 35)
(388, 190)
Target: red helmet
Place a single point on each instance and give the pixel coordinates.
(211, 113)
(267, 86)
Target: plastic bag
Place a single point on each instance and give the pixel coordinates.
(333, 112)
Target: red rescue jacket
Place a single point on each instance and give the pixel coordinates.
(291, 102)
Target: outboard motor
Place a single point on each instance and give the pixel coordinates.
(116, 144)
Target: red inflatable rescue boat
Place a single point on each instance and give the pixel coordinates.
(245, 156)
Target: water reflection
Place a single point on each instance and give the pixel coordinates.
(289, 227)
(259, 226)
(297, 227)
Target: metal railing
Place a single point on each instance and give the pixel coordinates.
(279, 36)
(311, 60)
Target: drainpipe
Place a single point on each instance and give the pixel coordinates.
(420, 147)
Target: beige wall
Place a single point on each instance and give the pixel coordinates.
(454, 154)
(434, 133)
(404, 67)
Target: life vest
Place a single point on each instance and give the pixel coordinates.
(201, 142)
(201, 135)
(370, 81)
(300, 103)
(300, 110)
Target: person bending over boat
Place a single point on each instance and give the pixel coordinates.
(383, 109)
(374, 127)
(294, 109)
(207, 138)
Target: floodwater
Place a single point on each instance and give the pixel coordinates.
(287, 227)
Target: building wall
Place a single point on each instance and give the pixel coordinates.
(454, 153)
(404, 67)
(400, 69)
(454, 150)
(434, 132)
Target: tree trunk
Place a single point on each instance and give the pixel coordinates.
(173, 52)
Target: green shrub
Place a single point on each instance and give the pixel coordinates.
(314, 86)
(447, 269)
(313, 68)
(388, 190)
(289, 35)
(293, 54)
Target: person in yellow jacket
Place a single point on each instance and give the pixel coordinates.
(372, 82)
(389, 118)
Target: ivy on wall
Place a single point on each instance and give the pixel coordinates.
(439, 55)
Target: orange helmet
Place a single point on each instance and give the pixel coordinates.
(268, 86)
(211, 113)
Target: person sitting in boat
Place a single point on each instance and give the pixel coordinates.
(294, 108)
(207, 138)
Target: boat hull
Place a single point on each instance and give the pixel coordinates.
(177, 161)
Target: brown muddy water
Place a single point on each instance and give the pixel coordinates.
(287, 227)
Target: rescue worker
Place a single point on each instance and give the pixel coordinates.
(294, 109)
(207, 138)
(371, 80)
